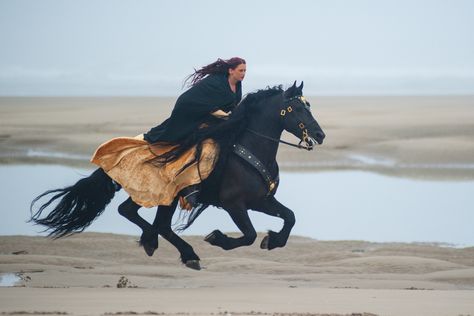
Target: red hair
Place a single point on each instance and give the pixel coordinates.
(220, 66)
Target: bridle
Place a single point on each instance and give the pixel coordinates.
(246, 155)
(288, 110)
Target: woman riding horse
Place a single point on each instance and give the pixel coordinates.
(215, 91)
(245, 178)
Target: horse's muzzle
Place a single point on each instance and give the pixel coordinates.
(319, 137)
(311, 140)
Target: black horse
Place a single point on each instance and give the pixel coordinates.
(245, 177)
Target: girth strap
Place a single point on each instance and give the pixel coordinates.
(246, 155)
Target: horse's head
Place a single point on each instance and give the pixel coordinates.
(297, 117)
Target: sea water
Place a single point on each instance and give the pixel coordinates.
(331, 205)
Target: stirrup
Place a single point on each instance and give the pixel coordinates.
(188, 201)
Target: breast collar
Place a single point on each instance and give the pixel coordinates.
(246, 155)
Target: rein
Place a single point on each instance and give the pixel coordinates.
(299, 146)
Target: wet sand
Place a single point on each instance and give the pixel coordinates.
(403, 136)
(80, 275)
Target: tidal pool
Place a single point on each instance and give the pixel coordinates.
(336, 205)
(9, 279)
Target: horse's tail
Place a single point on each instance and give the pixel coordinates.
(79, 204)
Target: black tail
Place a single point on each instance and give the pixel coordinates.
(79, 206)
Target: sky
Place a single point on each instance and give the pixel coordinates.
(353, 47)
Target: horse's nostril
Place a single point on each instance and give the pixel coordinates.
(321, 135)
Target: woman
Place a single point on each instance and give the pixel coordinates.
(215, 91)
(171, 148)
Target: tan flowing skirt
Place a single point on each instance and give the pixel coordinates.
(127, 161)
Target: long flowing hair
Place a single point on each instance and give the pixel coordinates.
(220, 66)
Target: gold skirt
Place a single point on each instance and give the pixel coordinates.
(127, 161)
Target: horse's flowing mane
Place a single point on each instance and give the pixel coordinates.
(248, 104)
(232, 128)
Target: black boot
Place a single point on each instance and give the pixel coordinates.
(188, 197)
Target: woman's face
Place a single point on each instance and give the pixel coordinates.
(238, 74)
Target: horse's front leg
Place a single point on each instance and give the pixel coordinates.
(272, 207)
(241, 219)
(129, 210)
(162, 223)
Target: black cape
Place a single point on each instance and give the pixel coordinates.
(194, 107)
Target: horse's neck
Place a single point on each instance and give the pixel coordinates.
(264, 149)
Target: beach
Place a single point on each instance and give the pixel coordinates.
(416, 137)
(398, 135)
(107, 274)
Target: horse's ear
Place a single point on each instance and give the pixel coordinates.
(300, 88)
(290, 92)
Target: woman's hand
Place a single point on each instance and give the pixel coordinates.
(220, 114)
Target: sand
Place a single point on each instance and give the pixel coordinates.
(421, 137)
(404, 136)
(80, 274)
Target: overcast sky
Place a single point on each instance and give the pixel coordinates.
(92, 47)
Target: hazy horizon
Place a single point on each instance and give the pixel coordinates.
(147, 48)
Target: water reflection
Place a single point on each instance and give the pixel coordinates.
(328, 206)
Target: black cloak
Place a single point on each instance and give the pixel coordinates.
(194, 107)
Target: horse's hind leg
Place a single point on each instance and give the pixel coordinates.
(129, 210)
(242, 220)
(272, 207)
(162, 223)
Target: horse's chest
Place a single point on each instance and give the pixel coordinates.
(267, 172)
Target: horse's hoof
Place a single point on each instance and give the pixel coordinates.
(150, 250)
(265, 242)
(211, 238)
(193, 264)
(149, 242)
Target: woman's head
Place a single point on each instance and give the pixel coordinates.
(237, 73)
(235, 67)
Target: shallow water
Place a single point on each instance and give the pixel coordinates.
(333, 205)
(9, 279)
